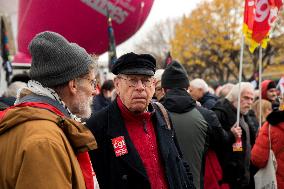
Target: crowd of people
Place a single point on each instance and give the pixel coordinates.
(147, 128)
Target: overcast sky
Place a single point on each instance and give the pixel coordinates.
(161, 10)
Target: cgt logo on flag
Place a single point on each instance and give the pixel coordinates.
(259, 19)
(119, 146)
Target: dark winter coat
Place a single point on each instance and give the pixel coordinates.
(6, 102)
(208, 100)
(100, 102)
(127, 171)
(235, 165)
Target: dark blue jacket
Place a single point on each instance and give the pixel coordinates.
(6, 102)
(208, 100)
(100, 102)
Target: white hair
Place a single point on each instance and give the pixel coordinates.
(224, 89)
(158, 74)
(211, 90)
(233, 94)
(200, 84)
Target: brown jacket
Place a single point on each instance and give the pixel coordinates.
(37, 149)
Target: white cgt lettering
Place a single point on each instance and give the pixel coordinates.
(261, 13)
(272, 16)
(119, 144)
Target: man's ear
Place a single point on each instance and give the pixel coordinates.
(188, 89)
(73, 87)
(116, 84)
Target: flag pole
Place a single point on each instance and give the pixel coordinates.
(111, 42)
(260, 80)
(240, 79)
(237, 146)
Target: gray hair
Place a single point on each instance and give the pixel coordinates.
(225, 89)
(200, 84)
(13, 88)
(233, 94)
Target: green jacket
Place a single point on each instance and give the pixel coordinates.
(191, 130)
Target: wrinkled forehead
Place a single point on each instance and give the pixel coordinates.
(248, 93)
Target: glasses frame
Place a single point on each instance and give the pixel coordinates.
(93, 82)
(134, 82)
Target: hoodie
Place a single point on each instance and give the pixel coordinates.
(178, 101)
(191, 130)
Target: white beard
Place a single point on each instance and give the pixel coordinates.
(83, 107)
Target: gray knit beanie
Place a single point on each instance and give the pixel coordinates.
(55, 60)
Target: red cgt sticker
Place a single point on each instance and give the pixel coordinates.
(119, 146)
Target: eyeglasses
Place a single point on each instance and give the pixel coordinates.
(133, 82)
(93, 82)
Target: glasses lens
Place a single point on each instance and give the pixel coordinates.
(147, 82)
(133, 82)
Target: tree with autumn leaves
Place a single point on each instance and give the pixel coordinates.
(208, 40)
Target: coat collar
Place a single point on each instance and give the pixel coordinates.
(115, 129)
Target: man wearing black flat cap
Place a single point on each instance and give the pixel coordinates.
(136, 147)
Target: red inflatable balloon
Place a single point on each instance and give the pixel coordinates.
(80, 21)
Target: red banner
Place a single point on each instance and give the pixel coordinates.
(259, 17)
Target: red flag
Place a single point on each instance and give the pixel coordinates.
(168, 59)
(259, 17)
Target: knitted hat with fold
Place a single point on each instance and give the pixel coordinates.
(55, 60)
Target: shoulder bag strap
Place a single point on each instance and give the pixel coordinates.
(165, 114)
(269, 137)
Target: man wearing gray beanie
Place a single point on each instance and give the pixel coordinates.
(192, 124)
(43, 142)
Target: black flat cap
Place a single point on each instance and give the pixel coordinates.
(136, 64)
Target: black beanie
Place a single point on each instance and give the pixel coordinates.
(175, 76)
